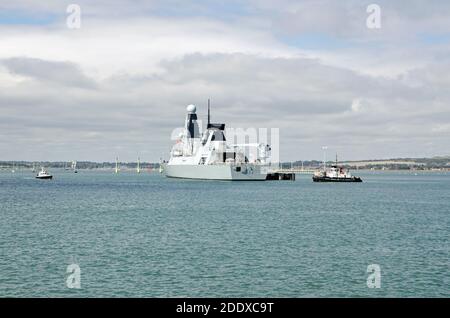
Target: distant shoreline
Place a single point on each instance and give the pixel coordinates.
(156, 170)
(397, 164)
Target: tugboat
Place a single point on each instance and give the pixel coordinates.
(43, 174)
(334, 174)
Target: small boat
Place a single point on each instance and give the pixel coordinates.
(334, 173)
(74, 166)
(116, 170)
(329, 176)
(43, 174)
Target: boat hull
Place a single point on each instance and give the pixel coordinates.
(329, 179)
(216, 172)
(44, 178)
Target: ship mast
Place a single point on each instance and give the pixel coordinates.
(209, 114)
(117, 165)
(138, 169)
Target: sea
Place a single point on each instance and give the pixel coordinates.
(100, 234)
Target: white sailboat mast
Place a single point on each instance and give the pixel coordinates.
(324, 148)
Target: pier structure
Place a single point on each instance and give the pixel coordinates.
(295, 170)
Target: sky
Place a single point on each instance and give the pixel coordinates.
(119, 85)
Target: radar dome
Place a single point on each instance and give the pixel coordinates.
(191, 109)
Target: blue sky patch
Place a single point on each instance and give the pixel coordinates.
(15, 17)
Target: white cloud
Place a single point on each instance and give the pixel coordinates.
(356, 105)
(105, 47)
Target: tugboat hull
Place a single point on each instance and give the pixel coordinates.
(336, 179)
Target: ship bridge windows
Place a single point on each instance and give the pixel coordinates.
(228, 155)
(218, 136)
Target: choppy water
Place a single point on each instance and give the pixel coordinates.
(145, 235)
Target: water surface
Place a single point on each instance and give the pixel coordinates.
(148, 236)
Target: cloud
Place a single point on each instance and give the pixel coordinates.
(120, 84)
(60, 73)
(347, 19)
(109, 46)
(311, 103)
